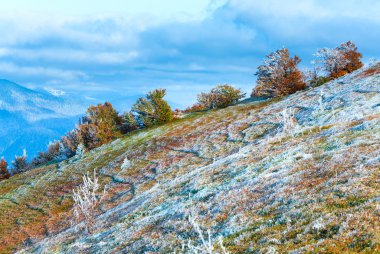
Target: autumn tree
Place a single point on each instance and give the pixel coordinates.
(20, 164)
(69, 143)
(106, 119)
(153, 109)
(341, 60)
(86, 134)
(98, 127)
(220, 96)
(4, 173)
(279, 75)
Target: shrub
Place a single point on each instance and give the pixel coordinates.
(178, 114)
(195, 108)
(341, 60)
(4, 173)
(313, 79)
(319, 81)
(279, 75)
(153, 109)
(129, 123)
(220, 97)
(87, 198)
(52, 153)
(20, 164)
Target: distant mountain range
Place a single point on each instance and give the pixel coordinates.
(31, 119)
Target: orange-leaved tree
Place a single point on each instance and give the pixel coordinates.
(4, 173)
(279, 75)
(99, 126)
(341, 60)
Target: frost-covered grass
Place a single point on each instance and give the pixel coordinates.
(313, 188)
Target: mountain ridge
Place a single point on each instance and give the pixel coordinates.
(31, 119)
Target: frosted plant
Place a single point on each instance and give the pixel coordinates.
(207, 243)
(319, 225)
(289, 121)
(332, 59)
(321, 97)
(80, 151)
(312, 74)
(126, 164)
(372, 62)
(87, 198)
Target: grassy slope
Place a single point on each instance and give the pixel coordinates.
(314, 190)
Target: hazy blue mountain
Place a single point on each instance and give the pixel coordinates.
(30, 119)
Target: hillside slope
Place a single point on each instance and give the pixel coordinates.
(299, 174)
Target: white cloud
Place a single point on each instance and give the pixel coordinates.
(310, 9)
(164, 9)
(64, 75)
(222, 42)
(69, 55)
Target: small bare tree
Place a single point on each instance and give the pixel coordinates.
(207, 243)
(87, 198)
(289, 121)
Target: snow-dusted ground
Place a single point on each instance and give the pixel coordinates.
(297, 175)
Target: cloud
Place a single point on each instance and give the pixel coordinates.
(311, 22)
(312, 10)
(69, 55)
(131, 54)
(40, 72)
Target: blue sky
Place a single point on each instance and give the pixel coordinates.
(119, 49)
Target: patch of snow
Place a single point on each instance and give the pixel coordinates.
(54, 92)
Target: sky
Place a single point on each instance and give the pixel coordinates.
(116, 50)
